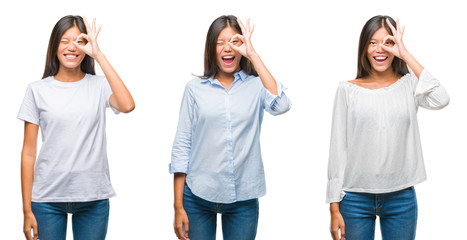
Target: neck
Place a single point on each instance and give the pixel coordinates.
(69, 75)
(387, 75)
(224, 77)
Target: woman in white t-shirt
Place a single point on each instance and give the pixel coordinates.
(71, 172)
(375, 157)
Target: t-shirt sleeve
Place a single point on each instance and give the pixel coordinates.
(107, 93)
(28, 111)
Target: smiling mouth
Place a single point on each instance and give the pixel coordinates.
(71, 56)
(228, 60)
(380, 59)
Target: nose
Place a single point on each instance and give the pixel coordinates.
(379, 48)
(71, 46)
(227, 47)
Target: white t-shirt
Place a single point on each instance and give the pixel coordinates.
(375, 142)
(72, 164)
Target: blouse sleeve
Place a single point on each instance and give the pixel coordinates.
(182, 144)
(429, 93)
(338, 148)
(28, 111)
(276, 104)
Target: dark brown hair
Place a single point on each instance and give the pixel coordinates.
(51, 63)
(210, 61)
(373, 25)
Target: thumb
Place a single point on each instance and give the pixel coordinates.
(234, 47)
(386, 48)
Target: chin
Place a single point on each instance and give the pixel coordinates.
(230, 69)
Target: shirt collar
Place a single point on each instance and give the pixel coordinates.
(241, 75)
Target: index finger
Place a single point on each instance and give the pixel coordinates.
(179, 232)
(242, 27)
(86, 24)
(393, 29)
(27, 234)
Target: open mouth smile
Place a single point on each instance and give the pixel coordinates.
(380, 59)
(228, 60)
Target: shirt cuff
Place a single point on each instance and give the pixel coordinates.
(175, 167)
(334, 191)
(271, 98)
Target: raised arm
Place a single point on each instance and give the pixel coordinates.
(428, 92)
(28, 159)
(121, 98)
(276, 104)
(399, 50)
(247, 50)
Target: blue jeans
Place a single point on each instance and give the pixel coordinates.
(89, 220)
(239, 219)
(397, 213)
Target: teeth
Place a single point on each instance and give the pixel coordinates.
(380, 58)
(228, 57)
(71, 56)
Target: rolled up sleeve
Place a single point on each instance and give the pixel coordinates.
(277, 104)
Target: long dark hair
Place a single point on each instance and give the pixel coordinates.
(51, 63)
(373, 25)
(210, 61)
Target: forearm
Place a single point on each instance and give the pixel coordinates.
(416, 67)
(27, 176)
(123, 98)
(266, 77)
(28, 159)
(179, 185)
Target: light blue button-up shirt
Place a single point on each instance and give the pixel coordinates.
(217, 140)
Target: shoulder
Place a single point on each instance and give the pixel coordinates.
(410, 79)
(191, 84)
(95, 78)
(345, 85)
(38, 84)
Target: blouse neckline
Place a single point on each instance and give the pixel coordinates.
(392, 86)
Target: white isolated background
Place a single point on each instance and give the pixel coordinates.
(309, 46)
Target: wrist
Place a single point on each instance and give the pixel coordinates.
(178, 206)
(27, 211)
(253, 56)
(406, 56)
(99, 56)
(334, 208)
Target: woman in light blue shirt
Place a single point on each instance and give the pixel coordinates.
(216, 156)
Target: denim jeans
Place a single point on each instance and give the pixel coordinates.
(89, 220)
(397, 213)
(239, 219)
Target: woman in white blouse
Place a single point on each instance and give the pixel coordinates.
(375, 155)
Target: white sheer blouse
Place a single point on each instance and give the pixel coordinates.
(375, 141)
